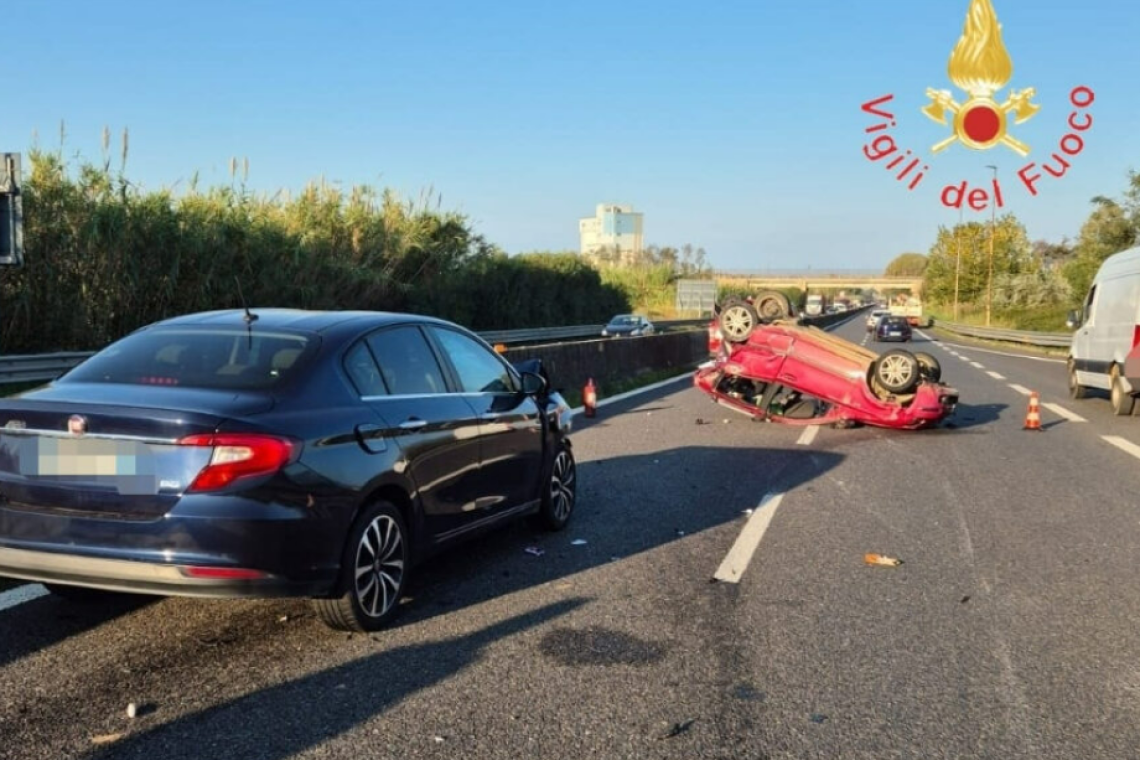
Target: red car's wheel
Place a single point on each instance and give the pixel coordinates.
(898, 371)
(772, 305)
(737, 320)
(929, 367)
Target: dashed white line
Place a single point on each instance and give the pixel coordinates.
(996, 376)
(1123, 444)
(738, 557)
(21, 594)
(963, 358)
(975, 364)
(809, 434)
(1061, 411)
(1020, 389)
(999, 353)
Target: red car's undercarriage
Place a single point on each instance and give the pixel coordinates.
(776, 369)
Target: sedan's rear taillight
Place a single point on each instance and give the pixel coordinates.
(238, 455)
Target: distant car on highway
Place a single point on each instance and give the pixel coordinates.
(277, 453)
(776, 369)
(874, 317)
(628, 325)
(892, 329)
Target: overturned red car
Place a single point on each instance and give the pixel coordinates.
(771, 366)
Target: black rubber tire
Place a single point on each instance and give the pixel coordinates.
(560, 491)
(1076, 390)
(737, 320)
(929, 366)
(772, 305)
(897, 371)
(81, 594)
(1122, 403)
(360, 609)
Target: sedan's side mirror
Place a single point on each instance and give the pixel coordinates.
(533, 384)
(1074, 319)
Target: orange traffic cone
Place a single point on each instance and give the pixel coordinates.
(1033, 416)
(590, 398)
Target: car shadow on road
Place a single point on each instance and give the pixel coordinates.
(286, 719)
(973, 416)
(40, 623)
(626, 506)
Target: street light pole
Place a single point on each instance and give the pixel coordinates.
(958, 263)
(990, 283)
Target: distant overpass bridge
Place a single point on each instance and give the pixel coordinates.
(818, 281)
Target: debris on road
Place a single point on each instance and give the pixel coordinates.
(679, 728)
(818, 718)
(132, 710)
(534, 551)
(578, 542)
(106, 738)
(701, 421)
(881, 559)
(964, 599)
(746, 511)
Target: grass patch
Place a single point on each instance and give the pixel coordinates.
(1042, 319)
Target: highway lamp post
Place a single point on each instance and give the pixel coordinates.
(958, 261)
(990, 282)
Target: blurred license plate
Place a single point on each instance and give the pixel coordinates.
(63, 456)
(895, 332)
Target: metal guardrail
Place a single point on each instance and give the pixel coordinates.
(1025, 337)
(38, 367)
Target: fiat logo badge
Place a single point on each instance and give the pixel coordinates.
(77, 424)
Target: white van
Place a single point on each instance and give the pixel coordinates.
(1107, 331)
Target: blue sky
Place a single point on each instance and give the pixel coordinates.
(734, 125)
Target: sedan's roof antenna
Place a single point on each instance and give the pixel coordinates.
(249, 317)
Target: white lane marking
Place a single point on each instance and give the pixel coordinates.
(1063, 412)
(738, 557)
(809, 434)
(975, 364)
(996, 376)
(21, 594)
(963, 358)
(1123, 444)
(635, 391)
(1002, 353)
(1020, 389)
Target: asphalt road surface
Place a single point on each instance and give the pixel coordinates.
(1008, 631)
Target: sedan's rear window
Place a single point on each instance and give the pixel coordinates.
(223, 359)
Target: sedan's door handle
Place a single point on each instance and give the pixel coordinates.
(371, 438)
(489, 416)
(413, 424)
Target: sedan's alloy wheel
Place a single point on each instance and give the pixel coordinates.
(562, 485)
(379, 568)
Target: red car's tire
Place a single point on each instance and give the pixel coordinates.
(737, 320)
(897, 371)
(929, 366)
(772, 305)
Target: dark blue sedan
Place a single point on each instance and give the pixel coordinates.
(276, 453)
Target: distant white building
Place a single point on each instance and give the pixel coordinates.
(613, 227)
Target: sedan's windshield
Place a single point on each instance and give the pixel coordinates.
(623, 321)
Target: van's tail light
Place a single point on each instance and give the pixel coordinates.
(238, 455)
